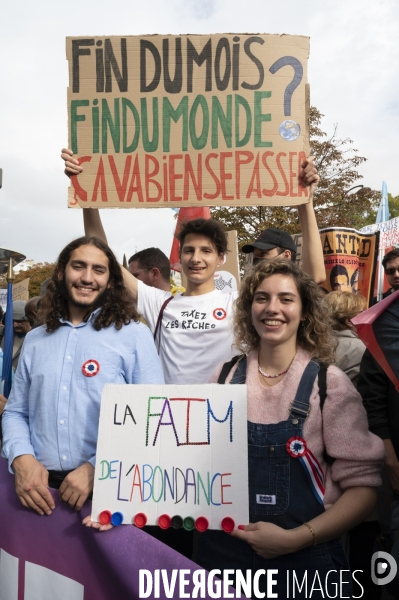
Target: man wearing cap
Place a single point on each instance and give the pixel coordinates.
(276, 243)
(21, 328)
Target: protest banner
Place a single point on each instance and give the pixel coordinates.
(43, 558)
(389, 238)
(20, 291)
(171, 121)
(227, 275)
(349, 257)
(389, 232)
(172, 452)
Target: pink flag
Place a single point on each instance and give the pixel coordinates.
(378, 328)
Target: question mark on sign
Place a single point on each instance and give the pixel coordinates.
(291, 87)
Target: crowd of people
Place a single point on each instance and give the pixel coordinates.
(295, 348)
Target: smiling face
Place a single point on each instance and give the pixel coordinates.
(199, 259)
(277, 311)
(86, 277)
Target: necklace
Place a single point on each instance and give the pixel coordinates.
(274, 376)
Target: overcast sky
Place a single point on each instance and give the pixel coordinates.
(353, 74)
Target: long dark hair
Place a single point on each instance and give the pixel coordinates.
(117, 305)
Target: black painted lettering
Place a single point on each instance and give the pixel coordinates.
(326, 246)
(115, 421)
(341, 241)
(150, 87)
(366, 247)
(76, 52)
(99, 67)
(352, 240)
(236, 63)
(222, 82)
(199, 59)
(172, 86)
(256, 61)
(111, 63)
(128, 413)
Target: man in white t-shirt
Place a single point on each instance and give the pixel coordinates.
(196, 332)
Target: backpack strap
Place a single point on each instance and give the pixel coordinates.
(241, 369)
(300, 406)
(164, 305)
(322, 381)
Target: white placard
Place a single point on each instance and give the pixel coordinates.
(179, 450)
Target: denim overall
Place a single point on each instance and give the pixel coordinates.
(280, 480)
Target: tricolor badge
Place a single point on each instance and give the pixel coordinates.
(297, 448)
(219, 314)
(90, 368)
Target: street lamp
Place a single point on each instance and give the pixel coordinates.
(353, 188)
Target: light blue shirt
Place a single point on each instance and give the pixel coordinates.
(53, 409)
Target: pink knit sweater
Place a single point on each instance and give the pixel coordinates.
(342, 429)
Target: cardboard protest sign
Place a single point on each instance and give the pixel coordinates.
(169, 451)
(20, 291)
(389, 232)
(227, 275)
(171, 121)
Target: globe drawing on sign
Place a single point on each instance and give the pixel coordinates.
(290, 130)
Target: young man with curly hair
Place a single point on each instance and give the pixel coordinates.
(91, 335)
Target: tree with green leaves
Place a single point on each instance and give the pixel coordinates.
(335, 203)
(393, 203)
(37, 274)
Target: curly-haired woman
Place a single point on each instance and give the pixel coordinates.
(300, 499)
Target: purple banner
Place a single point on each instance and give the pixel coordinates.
(42, 558)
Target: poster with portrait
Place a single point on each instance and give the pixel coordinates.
(350, 258)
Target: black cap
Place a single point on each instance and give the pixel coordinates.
(271, 238)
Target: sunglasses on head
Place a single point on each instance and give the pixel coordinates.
(391, 270)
